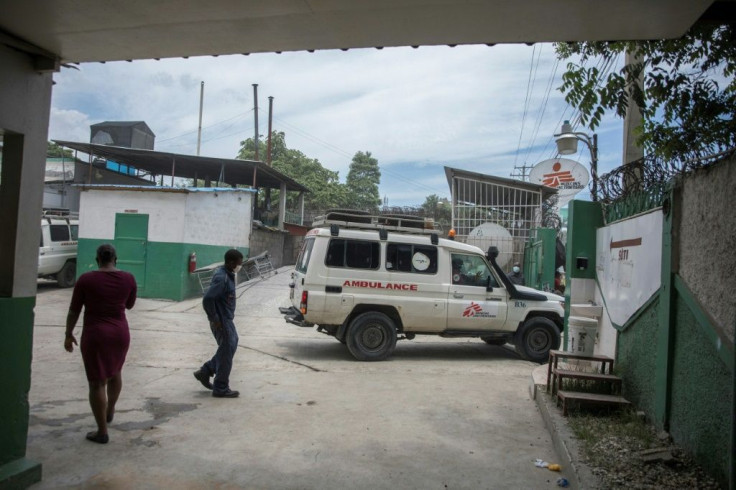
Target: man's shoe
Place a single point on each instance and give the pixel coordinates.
(203, 378)
(226, 394)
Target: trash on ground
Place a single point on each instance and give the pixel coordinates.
(554, 467)
(562, 482)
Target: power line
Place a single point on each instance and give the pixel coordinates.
(206, 127)
(542, 110)
(529, 85)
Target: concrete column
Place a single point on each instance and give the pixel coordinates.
(25, 101)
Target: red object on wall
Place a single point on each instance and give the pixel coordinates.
(192, 262)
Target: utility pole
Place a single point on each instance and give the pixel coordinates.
(255, 113)
(270, 120)
(268, 151)
(521, 171)
(632, 121)
(199, 128)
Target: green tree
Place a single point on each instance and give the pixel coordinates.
(55, 151)
(439, 209)
(325, 190)
(689, 96)
(362, 183)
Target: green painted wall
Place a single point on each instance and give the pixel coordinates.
(585, 217)
(167, 266)
(701, 398)
(16, 348)
(636, 359)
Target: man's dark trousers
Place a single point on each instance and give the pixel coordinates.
(222, 362)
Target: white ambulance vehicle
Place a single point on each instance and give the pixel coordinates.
(369, 281)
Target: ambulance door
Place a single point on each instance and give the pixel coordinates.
(471, 305)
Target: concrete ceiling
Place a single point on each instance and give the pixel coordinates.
(108, 30)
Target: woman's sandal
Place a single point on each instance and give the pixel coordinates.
(95, 436)
(109, 417)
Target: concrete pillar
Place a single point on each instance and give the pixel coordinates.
(25, 101)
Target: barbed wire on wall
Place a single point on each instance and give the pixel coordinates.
(650, 172)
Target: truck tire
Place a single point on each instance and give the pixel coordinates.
(67, 276)
(535, 338)
(371, 336)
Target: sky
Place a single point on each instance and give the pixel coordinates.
(477, 108)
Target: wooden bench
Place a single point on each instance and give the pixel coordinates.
(613, 381)
(590, 398)
(555, 355)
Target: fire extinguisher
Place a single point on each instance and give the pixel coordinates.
(192, 262)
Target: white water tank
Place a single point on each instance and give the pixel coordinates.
(581, 333)
(487, 234)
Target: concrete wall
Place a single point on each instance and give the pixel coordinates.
(675, 350)
(636, 359)
(707, 241)
(25, 101)
(701, 415)
(273, 242)
(282, 246)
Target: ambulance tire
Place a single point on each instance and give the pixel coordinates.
(371, 336)
(535, 338)
(67, 276)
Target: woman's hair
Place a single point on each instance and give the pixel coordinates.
(106, 254)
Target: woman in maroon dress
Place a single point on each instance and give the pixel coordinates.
(105, 294)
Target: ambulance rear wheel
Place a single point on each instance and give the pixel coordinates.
(371, 336)
(67, 276)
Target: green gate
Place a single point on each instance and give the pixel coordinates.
(539, 259)
(131, 242)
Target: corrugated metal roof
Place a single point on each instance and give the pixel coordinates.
(234, 172)
(149, 188)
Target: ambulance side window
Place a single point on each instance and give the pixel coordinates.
(355, 254)
(59, 233)
(403, 257)
(304, 255)
(471, 270)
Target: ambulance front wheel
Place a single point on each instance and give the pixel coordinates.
(535, 338)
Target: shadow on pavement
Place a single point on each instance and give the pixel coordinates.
(301, 350)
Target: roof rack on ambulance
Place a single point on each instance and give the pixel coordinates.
(364, 221)
(59, 213)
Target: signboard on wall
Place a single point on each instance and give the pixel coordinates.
(628, 264)
(567, 176)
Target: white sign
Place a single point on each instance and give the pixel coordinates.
(628, 263)
(567, 176)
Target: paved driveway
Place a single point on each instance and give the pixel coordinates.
(440, 413)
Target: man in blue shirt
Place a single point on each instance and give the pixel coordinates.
(219, 304)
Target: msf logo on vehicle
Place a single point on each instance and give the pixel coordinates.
(475, 310)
